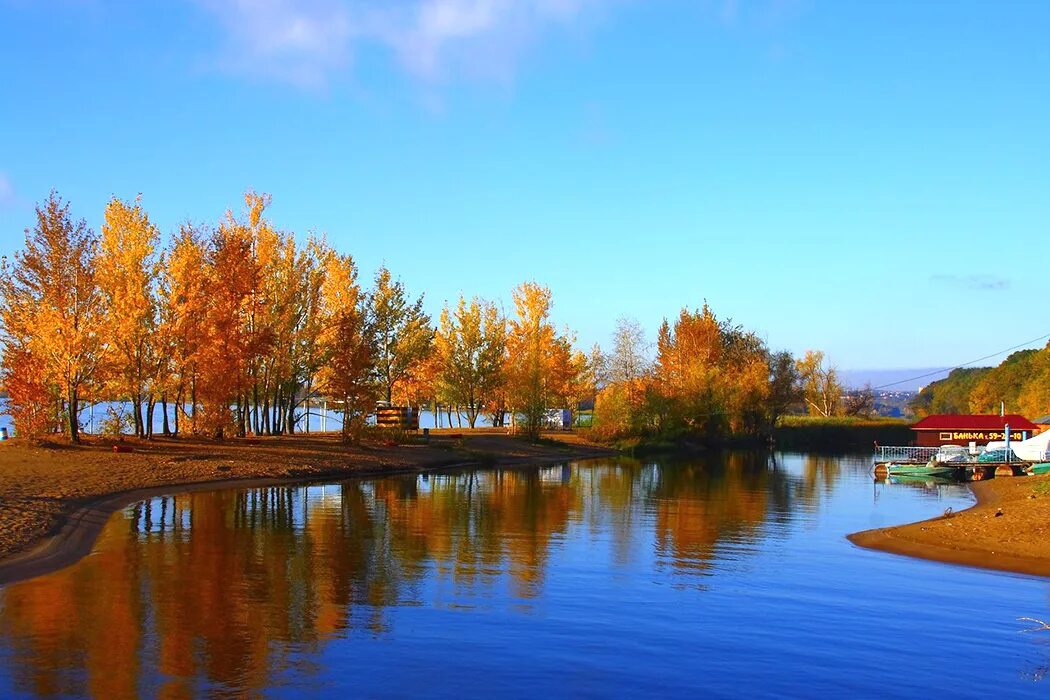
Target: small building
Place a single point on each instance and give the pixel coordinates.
(955, 429)
(1043, 422)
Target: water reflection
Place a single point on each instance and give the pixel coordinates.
(242, 589)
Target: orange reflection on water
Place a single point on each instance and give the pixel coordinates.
(228, 590)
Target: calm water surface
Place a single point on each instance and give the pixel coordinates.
(727, 576)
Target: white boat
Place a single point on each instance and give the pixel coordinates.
(1034, 449)
(952, 453)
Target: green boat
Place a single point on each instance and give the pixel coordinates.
(1039, 469)
(923, 480)
(921, 470)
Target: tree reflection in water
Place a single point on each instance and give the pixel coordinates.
(229, 590)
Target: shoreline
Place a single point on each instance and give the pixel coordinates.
(1004, 530)
(74, 521)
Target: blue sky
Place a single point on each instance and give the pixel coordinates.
(869, 178)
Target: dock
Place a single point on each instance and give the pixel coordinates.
(887, 458)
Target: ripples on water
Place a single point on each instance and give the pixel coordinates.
(725, 576)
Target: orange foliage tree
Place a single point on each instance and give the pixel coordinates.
(541, 368)
(225, 350)
(127, 275)
(470, 349)
(184, 302)
(347, 346)
(51, 317)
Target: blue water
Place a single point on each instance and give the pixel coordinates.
(726, 576)
(319, 418)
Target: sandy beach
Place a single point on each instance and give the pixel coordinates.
(1008, 529)
(54, 499)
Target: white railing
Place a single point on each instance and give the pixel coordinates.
(904, 454)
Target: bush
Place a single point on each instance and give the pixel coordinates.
(840, 433)
(116, 423)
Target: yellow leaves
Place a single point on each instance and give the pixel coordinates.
(346, 346)
(128, 270)
(470, 345)
(541, 369)
(403, 335)
(821, 389)
(51, 306)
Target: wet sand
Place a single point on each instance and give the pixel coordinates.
(1008, 529)
(55, 499)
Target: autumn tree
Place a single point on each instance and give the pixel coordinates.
(403, 335)
(300, 332)
(689, 353)
(52, 314)
(347, 346)
(127, 274)
(470, 345)
(784, 387)
(226, 348)
(540, 366)
(184, 309)
(821, 389)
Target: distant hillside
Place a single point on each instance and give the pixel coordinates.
(858, 378)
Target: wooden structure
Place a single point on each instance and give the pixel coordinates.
(955, 429)
(398, 417)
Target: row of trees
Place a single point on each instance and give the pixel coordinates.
(1021, 384)
(230, 329)
(710, 377)
(235, 326)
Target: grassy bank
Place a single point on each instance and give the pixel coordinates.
(803, 433)
(818, 433)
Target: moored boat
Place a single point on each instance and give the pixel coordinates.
(1039, 469)
(931, 468)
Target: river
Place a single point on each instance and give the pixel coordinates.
(722, 576)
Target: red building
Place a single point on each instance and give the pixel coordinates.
(952, 429)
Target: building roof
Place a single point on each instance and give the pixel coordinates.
(953, 421)
(1042, 420)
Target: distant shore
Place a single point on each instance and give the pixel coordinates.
(1008, 529)
(54, 500)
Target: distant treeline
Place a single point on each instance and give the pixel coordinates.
(236, 325)
(1021, 384)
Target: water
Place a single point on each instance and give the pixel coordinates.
(319, 418)
(728, 576)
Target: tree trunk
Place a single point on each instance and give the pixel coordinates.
(150, 404)
(164, 409)
(74, 425)
(136, 414)
(255, 409)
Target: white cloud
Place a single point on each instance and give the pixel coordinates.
(306, 41)
(298, 41)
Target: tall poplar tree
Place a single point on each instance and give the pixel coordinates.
(127, 275)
